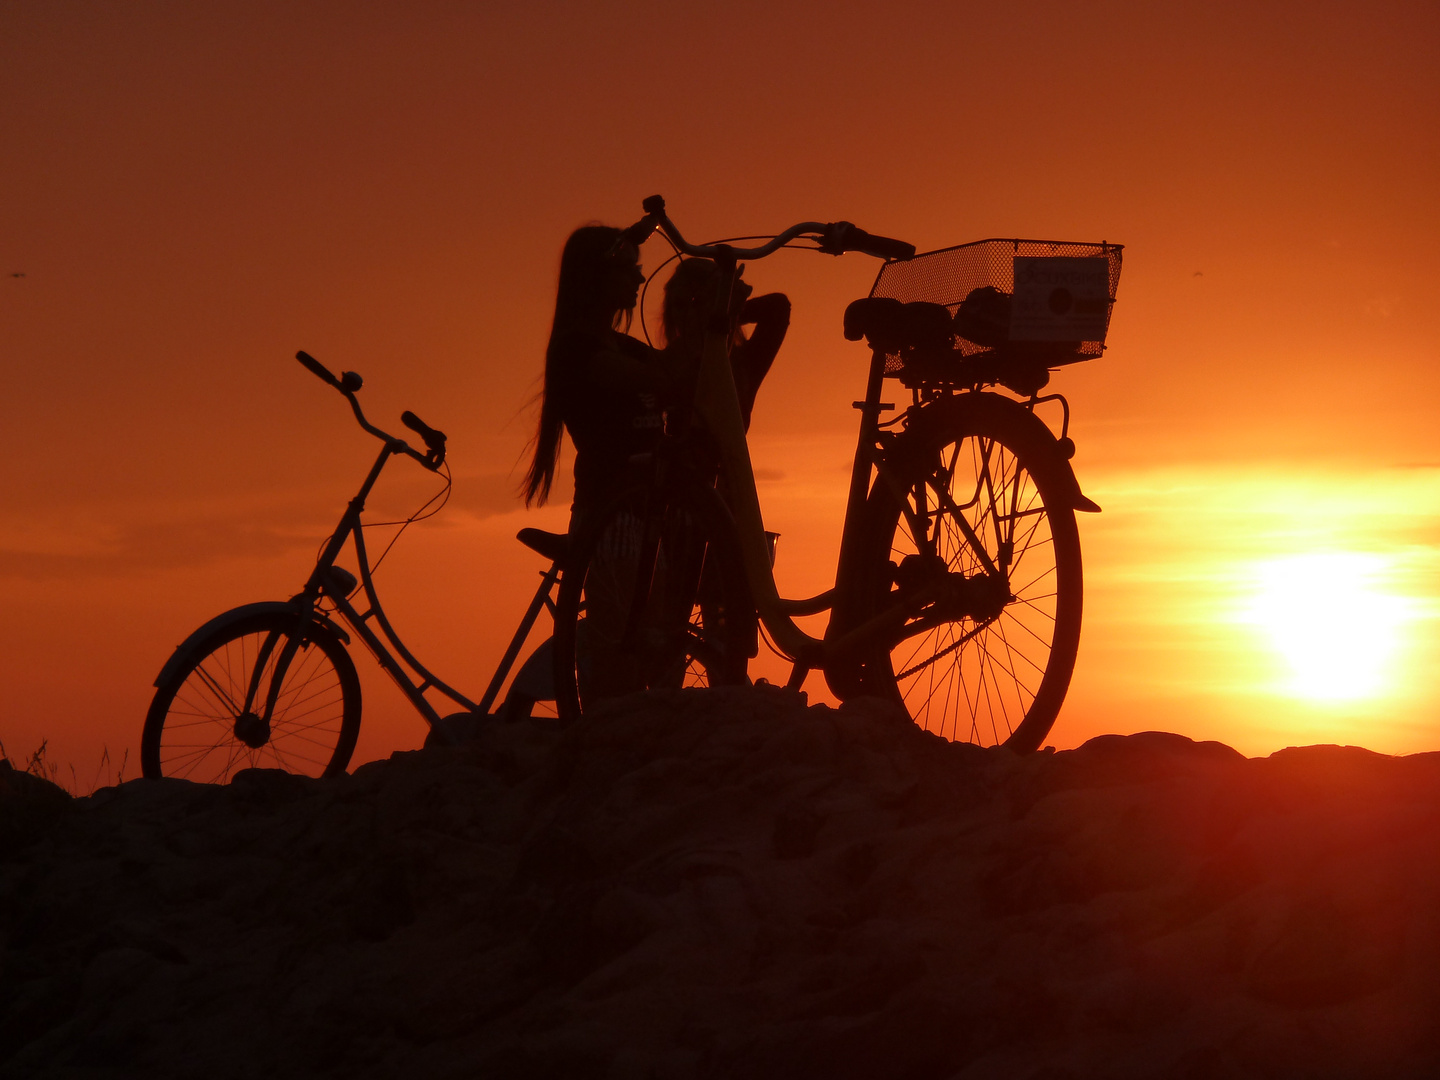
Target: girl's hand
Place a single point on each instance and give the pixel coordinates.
(738, 295)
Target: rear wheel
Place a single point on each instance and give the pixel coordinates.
(265, 691)
(650, 601)
(984, 529)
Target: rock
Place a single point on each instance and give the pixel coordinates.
(29, 807)
(731, 883)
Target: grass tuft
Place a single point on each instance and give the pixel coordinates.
(39, 764)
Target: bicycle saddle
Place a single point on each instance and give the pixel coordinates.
(892, 326)
(551, 545)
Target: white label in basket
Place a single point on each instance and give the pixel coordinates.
(1060, 298)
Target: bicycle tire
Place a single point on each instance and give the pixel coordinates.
(695, 625)
(996, 674)
(197, 718)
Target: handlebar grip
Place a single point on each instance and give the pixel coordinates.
(317, 369)
(882, 247)
(435, 440)
(638, 233)
(841, 236)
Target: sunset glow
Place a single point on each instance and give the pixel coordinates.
(1263, 606)
(996, 631)
(1330, 619)
(199, 193)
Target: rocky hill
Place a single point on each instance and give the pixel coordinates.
(730, 884)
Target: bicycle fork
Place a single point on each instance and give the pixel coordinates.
(252, 728)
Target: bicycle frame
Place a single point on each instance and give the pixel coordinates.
(717, 409)
(854, 628)
(338, 585)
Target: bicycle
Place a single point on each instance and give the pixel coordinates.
(272, 683)
(958, 589)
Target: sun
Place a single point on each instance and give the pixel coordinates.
(1329, 617)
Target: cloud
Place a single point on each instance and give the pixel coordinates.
(61, 548)
(108, 537)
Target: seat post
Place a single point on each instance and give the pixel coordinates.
(851, 537)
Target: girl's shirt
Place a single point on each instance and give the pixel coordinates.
(613, 407)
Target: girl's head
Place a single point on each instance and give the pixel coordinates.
(600, 279)
(688, 295)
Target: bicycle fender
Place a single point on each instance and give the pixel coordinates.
(244, 611)
(975, 411)
(536, 677)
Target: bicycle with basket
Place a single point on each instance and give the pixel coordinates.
(958, 588)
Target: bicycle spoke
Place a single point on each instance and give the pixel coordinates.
(313, 714)
(214, 687)
(985, 513)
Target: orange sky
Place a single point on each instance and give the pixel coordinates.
(195, 191)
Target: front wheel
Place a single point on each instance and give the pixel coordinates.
(650, 598)
(268, 689)
(978, 524)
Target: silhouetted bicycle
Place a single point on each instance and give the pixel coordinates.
(958, 587)
(271, 684)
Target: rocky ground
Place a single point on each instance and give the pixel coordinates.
(729, 884)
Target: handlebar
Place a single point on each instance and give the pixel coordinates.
(348, 383)
(847, 237)
(835, 238)
(319, 369)
(434, 440)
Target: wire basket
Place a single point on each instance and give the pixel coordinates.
(1027, 301)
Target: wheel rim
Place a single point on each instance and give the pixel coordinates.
(200, 741)
(978, 658)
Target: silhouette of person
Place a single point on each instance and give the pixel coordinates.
(606, 388)
(609, 391)
(687, 295)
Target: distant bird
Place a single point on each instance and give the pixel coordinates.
(21, 274)
(1199, 273)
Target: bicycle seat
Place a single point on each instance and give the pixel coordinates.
(551, 545)
(892, 326)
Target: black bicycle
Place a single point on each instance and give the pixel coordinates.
(272, 684)
(958, 588)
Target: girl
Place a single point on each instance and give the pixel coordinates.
(751, 355)
(602, 385)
